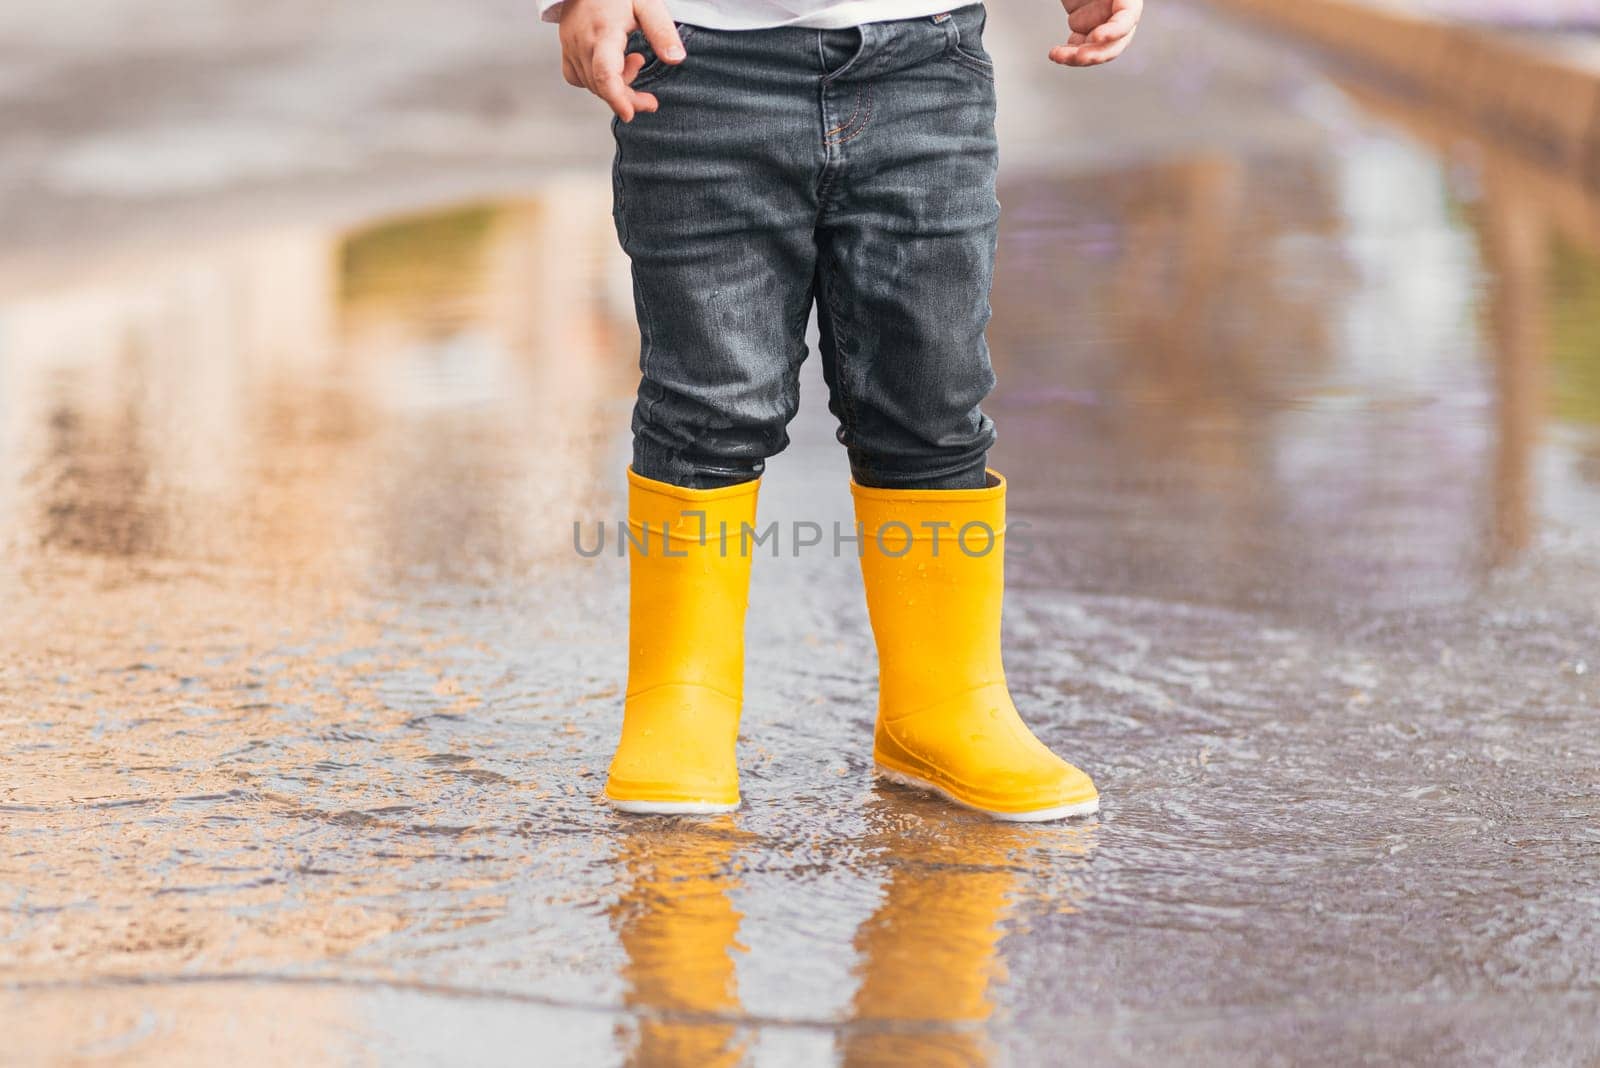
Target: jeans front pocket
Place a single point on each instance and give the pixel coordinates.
(966, 44)
(653, 67)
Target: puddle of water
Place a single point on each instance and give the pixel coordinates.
(307, 698)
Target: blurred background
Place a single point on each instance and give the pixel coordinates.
(315, 343)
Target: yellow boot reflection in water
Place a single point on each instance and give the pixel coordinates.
(678, 926)
(930, 955)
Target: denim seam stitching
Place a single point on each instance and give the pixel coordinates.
(972, 63)
(847, 404)
(797, 328)
(866, 119)
(647, 342)
(830, 173)
(823, 189)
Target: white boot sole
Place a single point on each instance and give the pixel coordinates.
(1038, 815)
(670, 808)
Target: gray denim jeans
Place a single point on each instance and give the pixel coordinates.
(853, 169)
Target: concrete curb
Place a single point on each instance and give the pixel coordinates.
(1543, 106)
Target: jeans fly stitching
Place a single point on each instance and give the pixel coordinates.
(845, 125)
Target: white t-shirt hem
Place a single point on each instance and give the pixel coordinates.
(754, 15)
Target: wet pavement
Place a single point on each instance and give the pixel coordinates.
(307, 697)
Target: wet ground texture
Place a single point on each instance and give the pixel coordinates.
(307, 698)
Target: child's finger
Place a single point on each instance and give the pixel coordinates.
(1059, 53)
(1090, 15)
(605, 82)
(642, 102)
(659, 30)
(1116, 27)
(1090, 55)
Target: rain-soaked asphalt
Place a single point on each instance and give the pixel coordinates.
(307, 697)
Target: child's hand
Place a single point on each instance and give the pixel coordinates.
(1101, 29)
(594, 38)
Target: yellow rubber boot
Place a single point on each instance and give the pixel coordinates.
(934, 565)
(689, 581)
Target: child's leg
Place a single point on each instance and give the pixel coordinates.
(906, 252)
(716, 207)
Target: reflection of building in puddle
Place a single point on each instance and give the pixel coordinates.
(492, 454)
(204, 459)
(1574, 273)
(1269, 375)
(420, 394)
(678, 928)
(1539, 231)
(127, 389)
(930, 956)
